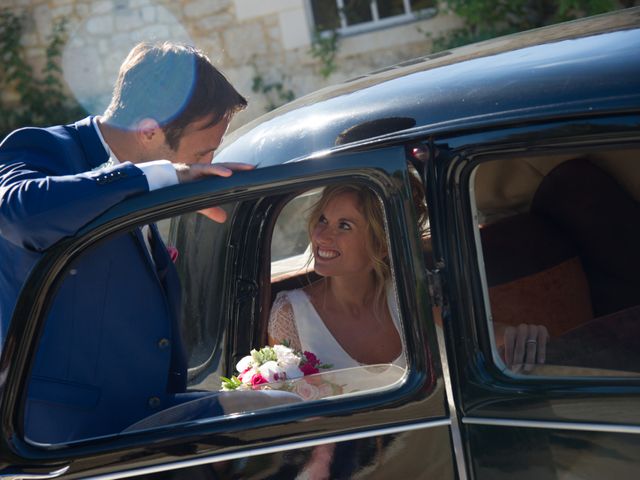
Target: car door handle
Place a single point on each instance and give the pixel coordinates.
(31, 474)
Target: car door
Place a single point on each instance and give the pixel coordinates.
(538, 225)
(400, 426)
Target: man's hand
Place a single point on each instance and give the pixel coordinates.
(196, 171)
(525, 346)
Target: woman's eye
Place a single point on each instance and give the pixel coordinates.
(345, 226)
(322, 219)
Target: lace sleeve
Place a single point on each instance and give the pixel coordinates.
(282, 323)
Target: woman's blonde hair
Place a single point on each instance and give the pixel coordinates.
(376, 246)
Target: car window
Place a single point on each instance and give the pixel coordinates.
(290, 252)
(159, 356)
(559, 262)
(201, 246)
(102, 367)
(303, 294)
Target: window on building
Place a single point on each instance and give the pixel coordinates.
(353, 16)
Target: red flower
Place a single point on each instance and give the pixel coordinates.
(308, 368)
(311, 359)
(173, 253)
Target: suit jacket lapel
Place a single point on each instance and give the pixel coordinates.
(159, 252)
(138, 236)
(170, 281)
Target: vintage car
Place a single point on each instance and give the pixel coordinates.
(528, 151)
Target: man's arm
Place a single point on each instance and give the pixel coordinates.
(39, 204)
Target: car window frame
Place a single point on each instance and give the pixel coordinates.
(382, 169)
(484, 390)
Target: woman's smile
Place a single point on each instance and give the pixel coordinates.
(327, 254)
(340, 240)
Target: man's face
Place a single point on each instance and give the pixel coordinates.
(197, 144)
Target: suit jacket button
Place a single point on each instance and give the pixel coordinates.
(154, 402)
(163, 343)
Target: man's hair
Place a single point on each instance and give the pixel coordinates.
(175, 85)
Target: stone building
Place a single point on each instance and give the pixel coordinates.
(264, 46)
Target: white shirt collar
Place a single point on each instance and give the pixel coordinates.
(113, 160)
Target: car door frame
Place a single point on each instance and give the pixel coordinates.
(487, 399)
(421, 398)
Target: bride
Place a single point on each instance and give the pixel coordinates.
(349, 317)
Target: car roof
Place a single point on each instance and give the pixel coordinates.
(587, 66)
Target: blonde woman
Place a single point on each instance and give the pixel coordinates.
(349, 317)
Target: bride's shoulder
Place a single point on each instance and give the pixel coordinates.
(286, 298)
(313, 290)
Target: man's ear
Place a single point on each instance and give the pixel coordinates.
(149, 133)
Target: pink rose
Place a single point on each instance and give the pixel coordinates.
(326, 390)
(258, 379)
(306, 391)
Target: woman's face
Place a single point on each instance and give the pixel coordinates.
(339, 238)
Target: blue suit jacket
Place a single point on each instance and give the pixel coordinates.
(111, 353)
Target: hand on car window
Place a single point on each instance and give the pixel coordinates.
(197, 171)
(525, 346)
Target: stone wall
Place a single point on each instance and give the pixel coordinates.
(246, 38)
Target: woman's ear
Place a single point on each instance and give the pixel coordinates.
(383, 250)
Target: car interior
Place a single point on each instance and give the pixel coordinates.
(558, 237)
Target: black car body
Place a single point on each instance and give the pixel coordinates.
(499, 132)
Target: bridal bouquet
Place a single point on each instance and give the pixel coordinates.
(271, 365)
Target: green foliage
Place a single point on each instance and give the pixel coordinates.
(232, 383)
(486, 19)
(324, 47)
(42, 99)
(275, 92)
(264, 355)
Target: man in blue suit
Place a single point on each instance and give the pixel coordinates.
(111, 353)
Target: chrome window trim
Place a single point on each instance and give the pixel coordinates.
(456, 435)
(482, 270)
(274, 449)
(551, 425)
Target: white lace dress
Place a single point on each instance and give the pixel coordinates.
(294, 318)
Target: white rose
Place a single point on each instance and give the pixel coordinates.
(292, 371)
(246, 376)
(244, 363)
(271, 372)
(286, 356)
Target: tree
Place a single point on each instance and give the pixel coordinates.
(486, 19)
(42, 99)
